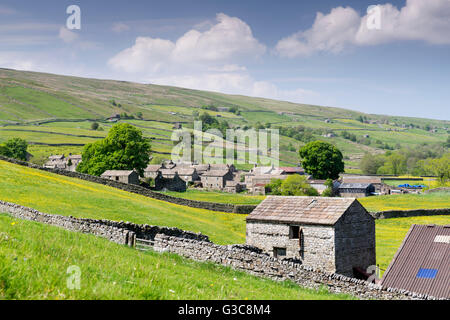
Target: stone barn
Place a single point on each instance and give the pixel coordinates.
(174, 183)
(356, 190)
(125, 176)
(335, 235)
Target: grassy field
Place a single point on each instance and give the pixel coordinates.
(35, 267)
(220, 197)
(407, 201)
(67, 196)
(391, 232)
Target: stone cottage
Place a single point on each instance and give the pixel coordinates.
(330, 234)
(69, 163)
(187, 175)
(174, 183)
(152, 170)
(216, 179)
(125, 176)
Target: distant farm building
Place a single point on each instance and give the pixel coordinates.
(174, 183)
(216, 179)
(233, 186)
(356, 190)
(152, 170)
(380, 187)
(330, 234)
(62, 162)
(293, 170)
(422, 263)
(124, 176)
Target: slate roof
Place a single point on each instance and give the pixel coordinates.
(293, 169)
(216, 173)
(153, 167)
(422, 263)
(266, 170)
(117, 173)
(361, 179)
(306, 210)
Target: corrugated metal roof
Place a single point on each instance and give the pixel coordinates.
(420, 254)
(307, 210)
(354, 185)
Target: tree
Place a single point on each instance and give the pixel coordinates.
(322, 160)
(94, 126)
(274, 187)
(123, 149)
(447, 143)
(296, 185)
(371, 163)
(395, 164)
(15, 148)
(328, 192)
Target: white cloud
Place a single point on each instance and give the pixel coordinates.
(227, 40)
(235, 83)
(208, 57)
(120, 27)
(419, 20)
(67, 36)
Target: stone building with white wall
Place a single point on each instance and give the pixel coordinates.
(125, 176)
(335, 235)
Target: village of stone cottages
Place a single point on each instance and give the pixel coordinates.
(308, 223)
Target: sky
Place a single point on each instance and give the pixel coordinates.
(376, 57)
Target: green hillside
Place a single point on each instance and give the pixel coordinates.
(55, 113)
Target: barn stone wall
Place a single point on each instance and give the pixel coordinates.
(354, 240)
(317, 245)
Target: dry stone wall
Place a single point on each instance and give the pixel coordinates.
(410, 213)
(198, 247)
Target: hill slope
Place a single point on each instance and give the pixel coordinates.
(62, 108)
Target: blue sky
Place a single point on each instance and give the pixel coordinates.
(392, 60)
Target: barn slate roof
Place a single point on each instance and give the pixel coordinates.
(117, 173)
(422, 263)
(153, 167)
(216, 173)
(306, 210)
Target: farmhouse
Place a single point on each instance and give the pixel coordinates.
(125, 176)
(69, 163)
(356, 190)
(174, 183)
(233, 186)
(422, 263)
(320, 186)
(216, 179)
(187, 175)
(330, 234)
(152, 170)
(293, 170)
